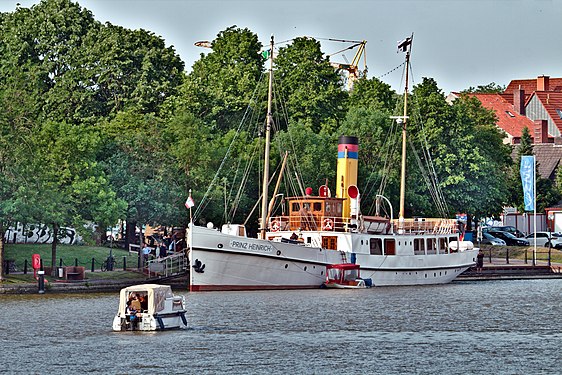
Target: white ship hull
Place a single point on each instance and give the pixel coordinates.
(239, 263)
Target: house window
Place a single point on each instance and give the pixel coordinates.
(559, 111)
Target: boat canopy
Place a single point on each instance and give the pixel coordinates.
(155, 294)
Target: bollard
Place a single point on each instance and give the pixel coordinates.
(93, 264)
(41, 279)
(25, 267)
(525, 256)
(124, 263)
(75, 262)
(507, 255)
(549, 250)
(490, 256)
(60, 262)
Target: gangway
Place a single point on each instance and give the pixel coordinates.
(173, 265)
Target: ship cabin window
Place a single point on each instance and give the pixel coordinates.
(317, 206)
(389, 247)
(330, 242)
(376, 246)
(419, 246)
(452, 239)
(432, 246)
(295, 207)
(443, 248)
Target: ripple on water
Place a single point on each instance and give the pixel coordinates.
(503, 327)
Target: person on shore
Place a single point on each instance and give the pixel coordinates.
(146, 250)
(163, 250)
(479, 261)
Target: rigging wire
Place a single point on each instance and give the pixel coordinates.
(206, 200)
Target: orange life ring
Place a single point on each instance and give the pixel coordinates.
(275, 226)
(328, 224)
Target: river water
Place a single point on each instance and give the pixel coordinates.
(481, 327)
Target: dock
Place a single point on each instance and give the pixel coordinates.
(516, 269)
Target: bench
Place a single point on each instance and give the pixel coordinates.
(74, 273)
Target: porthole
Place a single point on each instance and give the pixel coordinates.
(321, 273)
(286, 266)
(426, 275)
(219, 246)
(305, 268)
(434, 274)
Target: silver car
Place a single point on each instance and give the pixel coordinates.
(543, 239)
(488, 239)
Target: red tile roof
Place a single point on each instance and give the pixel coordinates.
(552, 102)
(529, 85)
(508, 119)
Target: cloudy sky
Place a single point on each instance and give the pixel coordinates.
(460, 43)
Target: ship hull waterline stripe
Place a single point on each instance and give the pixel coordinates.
(366, 268)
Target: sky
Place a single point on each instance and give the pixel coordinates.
(459, 43)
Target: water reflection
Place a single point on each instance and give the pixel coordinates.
(465, 327)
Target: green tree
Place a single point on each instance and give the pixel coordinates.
(468, 154)
(490, 88)
(311, 87)
(222, 83)
(372, 93)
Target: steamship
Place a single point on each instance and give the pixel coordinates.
(293, 249)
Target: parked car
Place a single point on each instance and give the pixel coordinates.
(488, 239)
(543, 239)
(509, 229)
(509, 238)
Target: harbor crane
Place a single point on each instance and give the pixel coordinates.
(353, 72)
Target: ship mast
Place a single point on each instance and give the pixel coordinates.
(404, 46)
(269, 122)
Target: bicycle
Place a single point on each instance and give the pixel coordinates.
(108, 264)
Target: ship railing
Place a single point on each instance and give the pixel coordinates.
(309, 222)
(427, 226)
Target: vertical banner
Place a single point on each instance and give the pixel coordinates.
(528, 180)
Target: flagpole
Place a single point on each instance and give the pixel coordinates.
(535, 209)
(190, 215)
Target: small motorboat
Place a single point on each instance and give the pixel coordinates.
(149, 307)
(345, 276)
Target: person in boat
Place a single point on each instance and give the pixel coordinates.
(294, 236)
(143, 302)
(133, 308)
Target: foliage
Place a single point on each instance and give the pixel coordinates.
(310, 85)
(469, 156)
(490, 88)
(222, 83)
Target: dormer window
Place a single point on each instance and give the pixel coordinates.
(559, 111)
(510, 114)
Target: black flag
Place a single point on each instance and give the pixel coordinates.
(404, 44)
